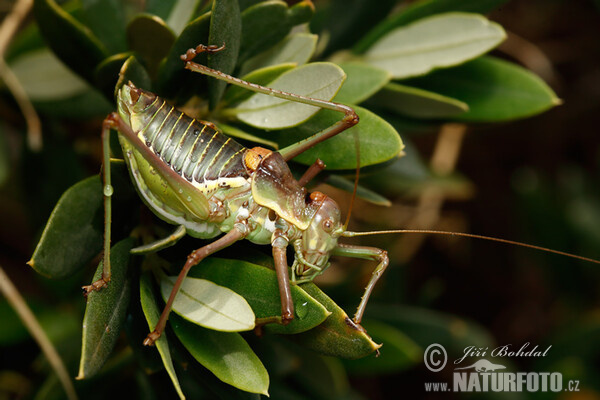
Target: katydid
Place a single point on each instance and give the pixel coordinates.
(193, 176)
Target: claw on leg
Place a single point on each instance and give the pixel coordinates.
(151, 338)
(201, 48)
(95, 286)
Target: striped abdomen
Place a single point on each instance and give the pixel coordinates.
(192, 149)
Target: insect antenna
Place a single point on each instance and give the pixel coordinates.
(356, 177)
(472, 236)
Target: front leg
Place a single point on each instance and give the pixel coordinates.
(279, 244)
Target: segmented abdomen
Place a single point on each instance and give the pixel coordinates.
(192, 149)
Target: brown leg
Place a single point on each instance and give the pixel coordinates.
(194, 258)
(311, 172)
(283, 279)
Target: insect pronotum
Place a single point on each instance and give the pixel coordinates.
(195, 177)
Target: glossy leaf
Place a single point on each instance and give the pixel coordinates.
(180, 15)
(227, 355)
(237, 133)
(261, 76)
(379, 141)
(418, 103)
(171, 74)
(105, 312)
(133, 71)
(422, 9)
(107, 74)
(398, 353)
(106, 19)
(345, 23)
(73, 234)
(258, 285)
(297, 48)
(152, 313)
(318, 80)
(338, 336)
(361, 191)
(207, 304)
(160, 8)
(70, 40)
(436, 42)
(151, 39)
(279, 19)
(225, 28)
(84, 106)
(495, 90)
(45, 78)
(362, 81)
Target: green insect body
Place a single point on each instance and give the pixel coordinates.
(195, 177)
(214, 188)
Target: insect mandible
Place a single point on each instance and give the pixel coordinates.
(191, 175)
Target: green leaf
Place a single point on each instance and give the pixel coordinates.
(160, 8)
(345, 23)
(417, 103)
(105, 312)
(73, 234)
(151, 39)
(422, 9)
(297, 49)
(261, 76)
(237, 133)
(361, 83)
(172, 76)
(227, 355)
(398, 353)
(258, 285)
(275, 15)
(379, 141)
(225, 28)
(84, 106)
(318, 80)
(180, 14)
(72, 42)
(133, 71)
(106, 19)
(107, 74)
(338, 336)
(435, 42)
(495, 90)
(45, 78)
(152, 313)
(361, 191)
(207, 304)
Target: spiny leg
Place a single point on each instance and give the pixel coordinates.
(194, 258)
(283, 279)
(311, 172)
(369, 253)
(110, 122)
(350, 117)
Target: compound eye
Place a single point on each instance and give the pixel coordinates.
(327, 225)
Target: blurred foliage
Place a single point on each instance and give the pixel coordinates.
(533, 181)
